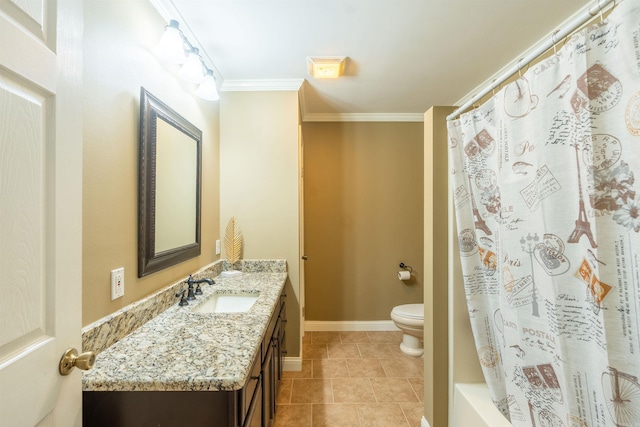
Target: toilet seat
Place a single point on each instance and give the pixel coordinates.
(409, 315)
(409, 311)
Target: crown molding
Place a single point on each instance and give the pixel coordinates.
(261, 85)
(363, 117)
(354, 117)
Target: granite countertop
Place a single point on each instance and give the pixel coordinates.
(180, 350)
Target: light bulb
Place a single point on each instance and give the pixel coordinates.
(171, 45)
(207, 89)
(192, 71)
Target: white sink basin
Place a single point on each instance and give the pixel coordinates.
(227, 303)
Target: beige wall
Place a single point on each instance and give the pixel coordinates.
(363, 216)
(119, 39)
(259, 183)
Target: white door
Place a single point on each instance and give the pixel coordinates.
(40, 210)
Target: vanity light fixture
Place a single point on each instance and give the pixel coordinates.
(174, 47)
(326, 67)
(171, 46)
(207, 89)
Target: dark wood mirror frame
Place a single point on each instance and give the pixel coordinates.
(151, 108)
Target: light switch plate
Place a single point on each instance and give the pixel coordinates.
(217, 247)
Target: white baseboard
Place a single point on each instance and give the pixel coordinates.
(424, 422)
(292, 364)
(356, 325)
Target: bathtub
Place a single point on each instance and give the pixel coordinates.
(472, 406)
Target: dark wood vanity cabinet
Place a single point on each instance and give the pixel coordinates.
(252, 406)
(273, 351)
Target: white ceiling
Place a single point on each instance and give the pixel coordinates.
(404, 56)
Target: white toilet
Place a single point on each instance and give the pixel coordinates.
(410, 319)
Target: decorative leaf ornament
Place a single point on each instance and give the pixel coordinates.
(233, 241)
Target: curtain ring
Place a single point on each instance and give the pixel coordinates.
(601, 11)
(493, 87)
(596, 12)
(520, 67)
(615, 3)
(476, 104)
(555, 42)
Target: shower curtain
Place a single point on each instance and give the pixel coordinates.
(546, 187)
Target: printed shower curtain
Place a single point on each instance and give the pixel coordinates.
(546, 186)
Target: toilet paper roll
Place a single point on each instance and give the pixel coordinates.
(404, 275)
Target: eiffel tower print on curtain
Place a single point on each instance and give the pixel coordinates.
(583, 227)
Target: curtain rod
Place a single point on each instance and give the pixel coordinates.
(557, 35)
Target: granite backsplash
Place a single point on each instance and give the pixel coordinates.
(110, 329)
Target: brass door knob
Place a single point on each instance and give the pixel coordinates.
(70, 360)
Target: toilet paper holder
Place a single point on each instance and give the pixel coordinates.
(406, 267)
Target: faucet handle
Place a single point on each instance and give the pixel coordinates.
(183, 300)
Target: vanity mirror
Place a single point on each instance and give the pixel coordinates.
(170, 158)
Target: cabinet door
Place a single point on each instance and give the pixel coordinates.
(280, 348)
(282, 338)
(246, 394)
(268, 387)
(254, 416)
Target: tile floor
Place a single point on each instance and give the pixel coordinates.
(352, 379)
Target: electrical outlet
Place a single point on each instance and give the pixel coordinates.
(117, 283)
(217, 247)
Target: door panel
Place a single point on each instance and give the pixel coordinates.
(30, 14)
(25, 315)
(40, 210)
